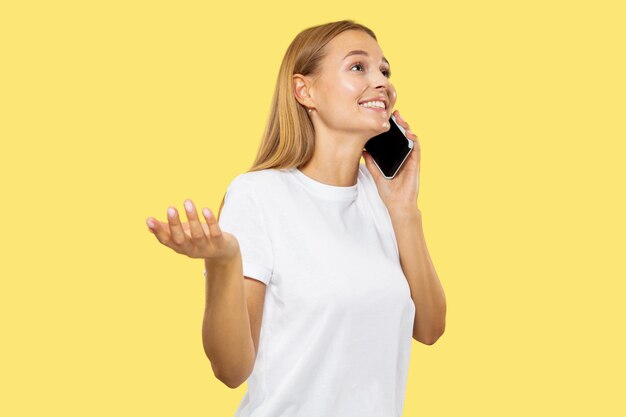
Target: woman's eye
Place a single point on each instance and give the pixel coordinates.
(386, 72)
(357, 65)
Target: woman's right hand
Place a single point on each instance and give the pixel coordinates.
(195, 239)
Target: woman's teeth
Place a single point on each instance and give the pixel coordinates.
(376, 104)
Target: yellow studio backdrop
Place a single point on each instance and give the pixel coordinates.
(112, 111)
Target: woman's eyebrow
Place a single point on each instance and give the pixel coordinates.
(361, 52)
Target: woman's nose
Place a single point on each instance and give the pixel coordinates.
(381, 81)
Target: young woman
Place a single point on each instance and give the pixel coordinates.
(317, 273)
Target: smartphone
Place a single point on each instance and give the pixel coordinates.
(390, 149)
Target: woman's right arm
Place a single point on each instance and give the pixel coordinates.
(226, 335)
(226, 329)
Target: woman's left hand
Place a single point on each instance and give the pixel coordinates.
(400, 192)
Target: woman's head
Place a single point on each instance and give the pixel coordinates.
(316, 74)
(352, 71)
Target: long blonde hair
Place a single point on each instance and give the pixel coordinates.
(288, 139)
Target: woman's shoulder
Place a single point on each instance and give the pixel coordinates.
(264, 182)
(262, 176)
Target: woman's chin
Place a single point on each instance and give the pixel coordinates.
(381, 125)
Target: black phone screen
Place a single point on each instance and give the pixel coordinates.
(390, 149)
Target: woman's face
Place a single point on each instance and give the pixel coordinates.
(349, 79)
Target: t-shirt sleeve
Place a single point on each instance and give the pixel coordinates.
(243, 217)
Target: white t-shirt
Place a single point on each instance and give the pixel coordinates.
(335, 339)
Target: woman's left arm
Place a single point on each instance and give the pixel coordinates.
(426, 289)
(400, 198)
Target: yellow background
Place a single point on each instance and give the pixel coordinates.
(112, 111)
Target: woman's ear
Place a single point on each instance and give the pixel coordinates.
(301, 89)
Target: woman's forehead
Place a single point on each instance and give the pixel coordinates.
(351, 43)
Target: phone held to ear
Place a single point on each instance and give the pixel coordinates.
(390, 149)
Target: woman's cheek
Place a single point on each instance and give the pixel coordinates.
(393, 95)
(350, 86)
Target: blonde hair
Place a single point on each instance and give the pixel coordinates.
(288, 139)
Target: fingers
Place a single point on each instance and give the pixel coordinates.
(404, 124)
(214, 229)
(400, 120)
(195, 227)
(160, 230)
(177, 233)
(151, 224)
(185, 237)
